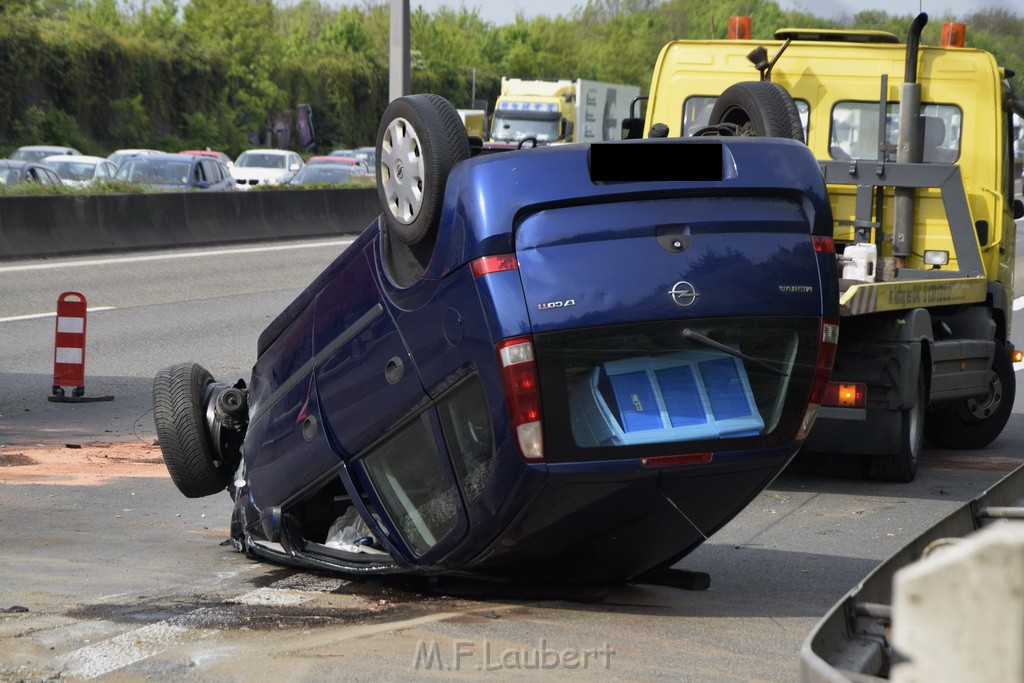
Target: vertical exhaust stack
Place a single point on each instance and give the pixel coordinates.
(909, 142)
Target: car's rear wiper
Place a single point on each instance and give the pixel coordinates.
(707, 341)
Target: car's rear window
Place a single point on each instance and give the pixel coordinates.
(677, 386)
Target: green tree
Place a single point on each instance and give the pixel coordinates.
(243, 33)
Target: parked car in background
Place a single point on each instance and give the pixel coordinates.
(367, 154)
(176, 172)
(120, 155)
(357, 165)
(80, 170)
(14, 171)
(40, 152)
(219, 156)
(265, 167)
(334, 174)
(342, 153)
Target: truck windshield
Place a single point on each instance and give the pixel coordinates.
(510, 129)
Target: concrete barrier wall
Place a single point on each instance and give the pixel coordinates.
(40, 226)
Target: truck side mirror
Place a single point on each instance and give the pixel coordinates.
(1018, 209)
(567, 128)
(632, 128)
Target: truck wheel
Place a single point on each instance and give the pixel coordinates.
(902, 467)
(758, 108)
(419, 139)
(179, 410)
(975, 423)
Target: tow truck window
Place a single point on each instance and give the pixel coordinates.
(697, 113)
(854, 133)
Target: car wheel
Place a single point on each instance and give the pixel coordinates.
(179, 408)
(902, 467)
(976, 422)
(758, 108)
(419, 139)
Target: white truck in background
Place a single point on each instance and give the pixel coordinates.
(475, 121)
(560, 110)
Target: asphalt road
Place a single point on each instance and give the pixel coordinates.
(123, 579)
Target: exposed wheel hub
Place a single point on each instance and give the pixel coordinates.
(981, 408)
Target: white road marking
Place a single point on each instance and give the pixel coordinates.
(120, 651)
(33, 316)
(133, 646)
(276, 597)
(175, 255)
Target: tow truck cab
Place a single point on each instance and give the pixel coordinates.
(924, 222)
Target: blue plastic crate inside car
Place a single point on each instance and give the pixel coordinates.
(682, 396)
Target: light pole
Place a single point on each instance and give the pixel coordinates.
(399, 61)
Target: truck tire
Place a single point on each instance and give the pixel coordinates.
(975, 423)
(419, 139)
(902, 467)
(758, 108)
(179, 409)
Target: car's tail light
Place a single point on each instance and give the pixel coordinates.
(823, 244)
(822, 372)
(845, 395)
(494, 264)
(682, 459)
(522, 393)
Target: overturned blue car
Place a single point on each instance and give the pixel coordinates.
(572, 362)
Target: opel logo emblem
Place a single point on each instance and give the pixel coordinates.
(683, 293)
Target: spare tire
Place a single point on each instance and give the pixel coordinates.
(419, 139)
(179, 410)
(758, 108)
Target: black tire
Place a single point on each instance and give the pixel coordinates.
(902, 467)
(419, 139)
(179, 408)
(975, 423)
(758, 108)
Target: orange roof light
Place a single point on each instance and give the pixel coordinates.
(953, 34)
(739, 28)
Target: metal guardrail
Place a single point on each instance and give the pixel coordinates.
(850, 643)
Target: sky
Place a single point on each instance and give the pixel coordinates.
(505, 11)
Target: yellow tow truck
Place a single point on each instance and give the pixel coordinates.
(916, 146)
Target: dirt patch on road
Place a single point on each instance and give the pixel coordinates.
(79, 464)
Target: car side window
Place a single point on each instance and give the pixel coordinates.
(407, 475)
(466, 423)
